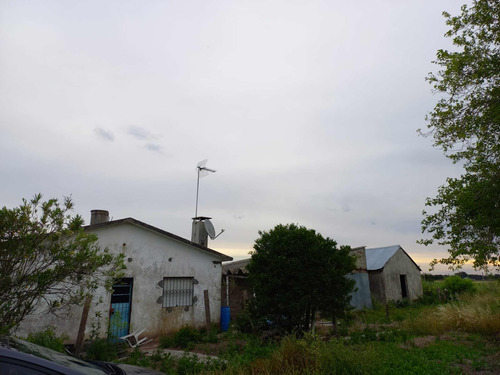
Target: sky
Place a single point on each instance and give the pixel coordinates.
(307, 110)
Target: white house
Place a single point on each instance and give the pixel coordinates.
(163, 287)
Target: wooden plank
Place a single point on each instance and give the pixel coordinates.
(207, 310)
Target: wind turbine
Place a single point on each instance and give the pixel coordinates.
(202, 172)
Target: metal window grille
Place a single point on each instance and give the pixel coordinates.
(178, 291)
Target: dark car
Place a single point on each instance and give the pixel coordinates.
(19, 357)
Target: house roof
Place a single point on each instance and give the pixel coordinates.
(377, 258)
(162, 232)
(238, 267)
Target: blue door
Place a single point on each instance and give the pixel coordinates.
(119, 313)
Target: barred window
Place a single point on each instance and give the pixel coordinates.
(178, 291)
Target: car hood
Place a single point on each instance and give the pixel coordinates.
(134, 370)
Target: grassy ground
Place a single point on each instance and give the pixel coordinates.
(446, 333)
(452, 330)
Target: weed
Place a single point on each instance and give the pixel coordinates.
(191, 364)
(48, 339)
(210, 336)
(102, 350)
(166, 341)
(187, 337)
(138, 358)
(167, 364)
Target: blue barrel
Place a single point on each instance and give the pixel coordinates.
(225, 316)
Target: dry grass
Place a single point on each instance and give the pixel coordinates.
(472, 313)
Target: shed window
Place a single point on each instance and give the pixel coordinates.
(178, 291)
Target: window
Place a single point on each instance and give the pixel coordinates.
(178, 291)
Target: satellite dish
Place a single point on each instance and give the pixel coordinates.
(210, 228)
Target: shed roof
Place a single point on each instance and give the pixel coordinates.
(162, 232)
(238, 267)
(377, 258)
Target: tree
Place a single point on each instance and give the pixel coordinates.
(465, 123)
(47, 257)
(295, 274)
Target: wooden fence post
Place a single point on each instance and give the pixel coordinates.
(207, 309)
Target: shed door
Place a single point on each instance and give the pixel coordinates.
(404, 286)
(121, 308)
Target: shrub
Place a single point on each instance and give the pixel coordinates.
(210, 336)
(430, 294)
(246, 322)
(455, 285)
(447, 290)
(166, 341)
(187, 337)
(48, 339)
(101, 350)
(137, 358)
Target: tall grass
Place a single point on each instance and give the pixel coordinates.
(477, 312)
(314, 356)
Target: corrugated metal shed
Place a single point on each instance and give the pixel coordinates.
(377, 258)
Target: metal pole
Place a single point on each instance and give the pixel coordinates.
(227, 290)
(197, 189)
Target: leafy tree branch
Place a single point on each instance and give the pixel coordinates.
(465, 123)
(46, 257)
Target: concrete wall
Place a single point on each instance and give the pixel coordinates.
(386, 285)
(377, 287)
(149, 258)
(360, 254)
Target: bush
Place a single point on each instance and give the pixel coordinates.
(245, 322)
(447, 290)
(187, 337)
(210, 336)
(430, 294)
(455, 285)
(102, 350)
(166, 341)
(48, 339)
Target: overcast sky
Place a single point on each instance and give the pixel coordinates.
(307, 110)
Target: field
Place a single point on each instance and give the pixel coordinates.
(453, 329)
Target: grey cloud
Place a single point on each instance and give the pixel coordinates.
(346, 207)
(141, 133)
(104, 134)
(153, 147)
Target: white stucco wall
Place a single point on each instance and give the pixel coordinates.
(149, 257)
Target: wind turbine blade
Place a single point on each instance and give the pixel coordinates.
(202, 164)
